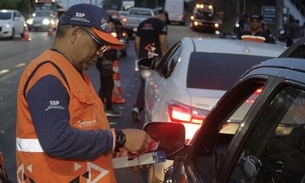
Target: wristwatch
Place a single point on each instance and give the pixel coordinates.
(120, 140)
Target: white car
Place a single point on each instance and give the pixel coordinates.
(42, 20)
(193, 75)
(11, 23)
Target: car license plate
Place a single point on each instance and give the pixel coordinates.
(36, 25)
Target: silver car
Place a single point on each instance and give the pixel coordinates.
(193, 75)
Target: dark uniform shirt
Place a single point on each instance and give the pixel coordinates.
(149, 31)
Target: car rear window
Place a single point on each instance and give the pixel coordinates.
(140, 12)
(218, 71)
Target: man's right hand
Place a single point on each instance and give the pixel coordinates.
(136, 140)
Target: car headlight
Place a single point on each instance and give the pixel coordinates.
(46, 21)
(237, 25)
(7, 25)
(216, 25)
(29, 21)
(196, 23)
(52, 22)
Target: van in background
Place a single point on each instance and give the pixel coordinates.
(176, 11)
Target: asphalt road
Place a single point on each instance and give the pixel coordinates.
(16, 54)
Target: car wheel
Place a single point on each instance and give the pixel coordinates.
(13, 34)
(22, 34)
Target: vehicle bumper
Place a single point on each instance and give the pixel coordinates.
(5, 32)
(205, 25)
(39, 26)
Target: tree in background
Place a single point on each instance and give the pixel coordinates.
(24, 6)
(112, 4)
(149, 3)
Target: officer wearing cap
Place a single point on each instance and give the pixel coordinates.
(255, 33)
(151, 42)
(62, 132)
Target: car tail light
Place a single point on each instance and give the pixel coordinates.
(124, 20)
(254, 96)
(181, 16)
(179, 112)
(114, 34)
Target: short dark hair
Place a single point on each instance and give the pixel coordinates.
(62, 30)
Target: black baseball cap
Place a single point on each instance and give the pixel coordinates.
(161, 10)
(89, 15)
(255, 17)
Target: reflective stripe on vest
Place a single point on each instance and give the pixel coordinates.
(28, 145)
(253, 38)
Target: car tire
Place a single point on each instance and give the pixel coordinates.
(22, 34)
(13, 33)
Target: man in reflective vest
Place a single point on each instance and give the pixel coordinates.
(62, 134)
(255, 33)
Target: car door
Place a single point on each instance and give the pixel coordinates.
(154, 86)
(18, 22)
(271, 147)
(208, 145)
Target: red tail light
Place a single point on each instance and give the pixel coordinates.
(114, 34)
(181, 16)
(182, 113)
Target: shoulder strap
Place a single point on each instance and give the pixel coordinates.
(34, 71)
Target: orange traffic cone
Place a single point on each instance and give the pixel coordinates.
(117, 90)
(50, 30)
(26, 34)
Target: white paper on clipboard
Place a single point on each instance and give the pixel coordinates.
(144, 159)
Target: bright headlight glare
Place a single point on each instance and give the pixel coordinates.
(7, 25)
(52, 22)
(29, 21)
(46, 22)
(216, 25)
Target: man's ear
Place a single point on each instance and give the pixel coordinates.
(74, 33)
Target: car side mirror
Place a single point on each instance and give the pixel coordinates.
(171, 136)
(144, 66)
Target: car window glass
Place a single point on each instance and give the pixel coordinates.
(162, 63)
(171, 62)
(275, 149)
(206, 164)
(202, 66)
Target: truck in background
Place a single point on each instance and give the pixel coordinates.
(176, 11)
(135, 16)
(126, 5)
(205, 18)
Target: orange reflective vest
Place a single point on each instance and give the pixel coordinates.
(33, 165)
